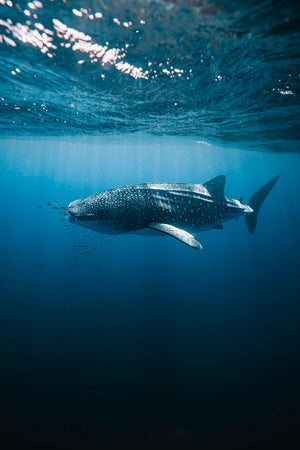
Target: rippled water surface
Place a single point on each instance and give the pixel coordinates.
(227, 71)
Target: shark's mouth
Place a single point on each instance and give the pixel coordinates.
(74, 211)
(74, 216)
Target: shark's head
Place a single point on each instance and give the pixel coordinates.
(78, 210)
(90, 212)
(83, 213)
(84, 209)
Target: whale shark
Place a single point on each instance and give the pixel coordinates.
(179, 210)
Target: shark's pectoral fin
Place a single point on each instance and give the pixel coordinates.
(177, 233)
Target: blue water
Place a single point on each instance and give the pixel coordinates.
(141, 341)
(138, 339)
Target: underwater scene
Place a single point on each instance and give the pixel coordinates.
(149, 191)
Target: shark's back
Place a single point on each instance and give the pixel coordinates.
(185, 205)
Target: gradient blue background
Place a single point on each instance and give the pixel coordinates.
(110, 340)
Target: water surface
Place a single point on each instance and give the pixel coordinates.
(227, 72)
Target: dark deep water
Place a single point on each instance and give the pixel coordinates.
(138, 340)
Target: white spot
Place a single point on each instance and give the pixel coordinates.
(76, 12)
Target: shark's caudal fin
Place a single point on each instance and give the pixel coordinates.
(256, 201)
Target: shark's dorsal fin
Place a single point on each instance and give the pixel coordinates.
(216, 186)
(177, 233)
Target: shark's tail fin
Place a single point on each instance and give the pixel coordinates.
(256, 201)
